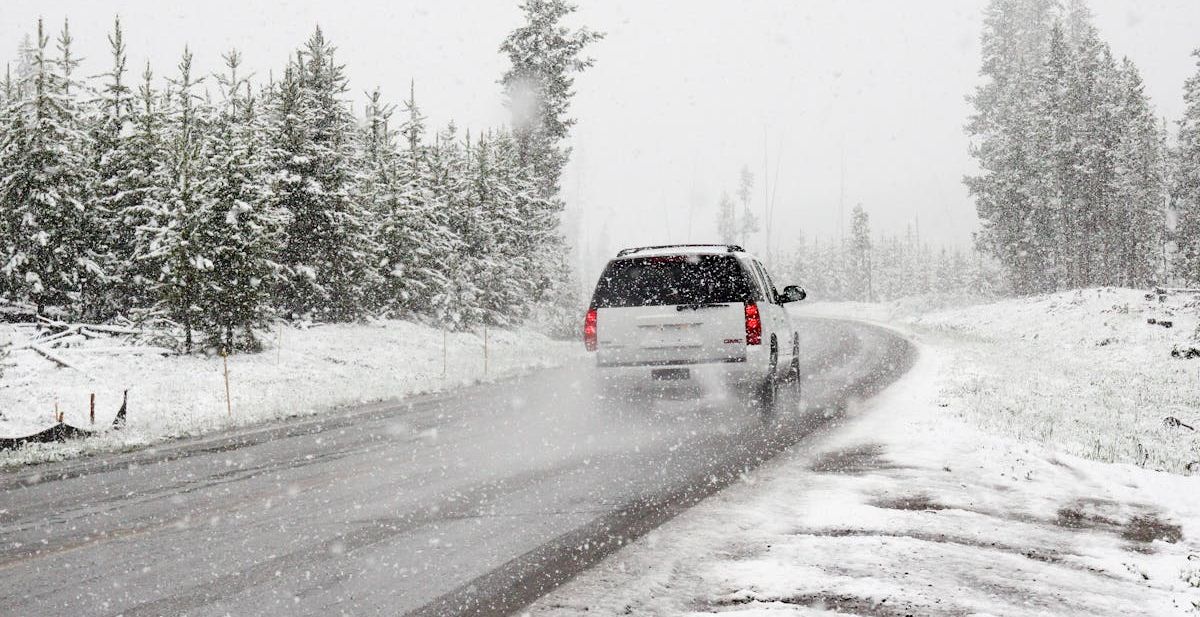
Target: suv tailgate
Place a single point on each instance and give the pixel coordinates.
(672, 310)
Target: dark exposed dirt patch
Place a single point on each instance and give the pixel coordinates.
(1090, 513)
(854, 460)
(1148, 528)
(1074, 517)
(918, 502)
(856, 605)
(1104, 515)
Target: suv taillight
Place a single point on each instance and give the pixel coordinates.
(753, 325)
(589, 330)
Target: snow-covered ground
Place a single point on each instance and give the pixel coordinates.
(956, 492)
(303, 372)
(1086, 371)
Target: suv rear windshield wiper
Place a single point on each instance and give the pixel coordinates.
(698, 306)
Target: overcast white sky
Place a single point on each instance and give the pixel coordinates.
(683, 93)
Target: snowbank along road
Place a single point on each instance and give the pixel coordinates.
(474, 502)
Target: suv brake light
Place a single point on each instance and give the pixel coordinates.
(753, 325)
(589, 330)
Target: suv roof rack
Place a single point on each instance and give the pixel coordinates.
(732, 248)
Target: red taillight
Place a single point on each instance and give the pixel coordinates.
(589, 330)
(753, 325)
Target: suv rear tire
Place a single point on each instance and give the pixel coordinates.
(768, 390)
(794, 371)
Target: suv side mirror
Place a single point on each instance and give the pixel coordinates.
(793, 293)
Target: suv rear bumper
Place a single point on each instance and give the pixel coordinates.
(700, 377)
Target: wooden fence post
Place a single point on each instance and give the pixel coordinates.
(228, 401)
(92, 409)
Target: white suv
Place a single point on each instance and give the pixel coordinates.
(703, 317)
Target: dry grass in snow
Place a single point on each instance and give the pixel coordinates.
(1084, 371)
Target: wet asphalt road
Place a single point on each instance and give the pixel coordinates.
(472, 502)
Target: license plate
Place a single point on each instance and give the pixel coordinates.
(670, 374)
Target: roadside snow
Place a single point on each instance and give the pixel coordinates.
(303, 372)
(1085, 371)
(955, 492)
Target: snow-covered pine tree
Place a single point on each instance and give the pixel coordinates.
(959, 269)
(860, 251)
(380, 191)
(1139, 184)
(533, 240)
(889, 267)
(1069, 161)
(1185, 184)
(494, 224)
(1094, 99)
(943, 278)
(328, 252)
(545, 56)
(239, 231)
(727, 224)
(1015, 37)
(527, 239)
(23, 71)
(1054, 137)
(180, 204)
(137, 189)
(119, 183)
(450, 192)
(418, 245)
(51, 228)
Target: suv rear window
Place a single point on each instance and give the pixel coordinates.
(677, 279)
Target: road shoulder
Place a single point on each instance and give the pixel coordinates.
(908, 509)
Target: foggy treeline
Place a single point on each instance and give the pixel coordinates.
(869, 266)
(1075, 170)
(217, 204)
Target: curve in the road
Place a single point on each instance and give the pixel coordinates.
(862, 370)
(467, 503)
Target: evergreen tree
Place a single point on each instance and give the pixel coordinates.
(239, 231)
(450, 190)
(135, 191)
(328, 253)
(420, 247)
(51, 228)
(180, 205)
(1054, 138)
(1185, 187)
(381, 192)
(1139, 185)
(860, 232)
(491, 216)
(1095, 91)
(749, 223)
(727, 227)
(545, 56)
(120, 183)
(1070, 187)
(1015, 39)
